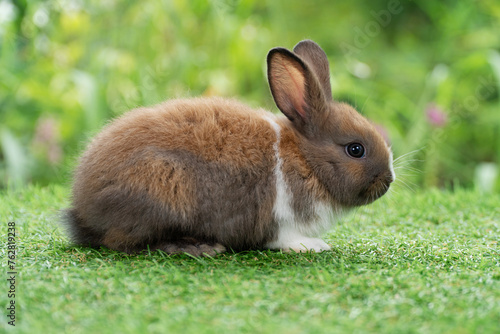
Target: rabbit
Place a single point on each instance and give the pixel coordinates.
(204, 175)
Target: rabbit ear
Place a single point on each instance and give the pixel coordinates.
(295, 89)
(316, 58)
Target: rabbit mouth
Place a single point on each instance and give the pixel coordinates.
(377, 188)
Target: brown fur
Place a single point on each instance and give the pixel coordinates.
(198, 175)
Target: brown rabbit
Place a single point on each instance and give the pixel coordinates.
(202, 175)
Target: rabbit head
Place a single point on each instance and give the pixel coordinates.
(346, 152)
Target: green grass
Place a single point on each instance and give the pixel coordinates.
(425, 262)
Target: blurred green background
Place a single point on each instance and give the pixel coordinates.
(427, 72)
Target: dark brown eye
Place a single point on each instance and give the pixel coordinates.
(355, 150)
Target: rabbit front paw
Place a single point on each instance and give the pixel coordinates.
(305, 245)
(300, 245)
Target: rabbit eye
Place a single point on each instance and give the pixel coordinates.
(355, 150)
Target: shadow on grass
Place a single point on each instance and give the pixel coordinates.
(268, 260)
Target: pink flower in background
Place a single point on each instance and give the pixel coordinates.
(46, 140)
(436, 116)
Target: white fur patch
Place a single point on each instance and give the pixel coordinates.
(391, 167)
(282, 206)
(294, 234)
(327, 216)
